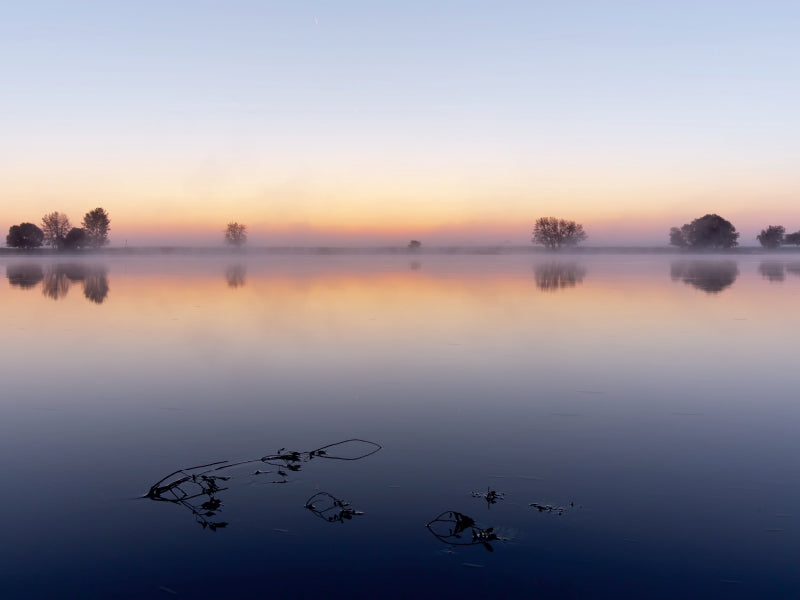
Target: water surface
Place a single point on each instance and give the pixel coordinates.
(649, 400)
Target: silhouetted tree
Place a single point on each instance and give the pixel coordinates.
(55, 226)
(554, 233)
(24, 235)
(792, 238)
(711, 276)
(676, 237)
(554, 276)
(772, 236)
(96, 224)
(414, 245)
(24, 276)
(707, 232)
(75, 239)
(236, 234)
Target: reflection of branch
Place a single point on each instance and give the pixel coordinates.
(330, 508)
(185, 486)
(450, 525)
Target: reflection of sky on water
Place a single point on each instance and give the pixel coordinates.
(667, 415)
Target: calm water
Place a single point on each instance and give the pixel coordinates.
(649, 401)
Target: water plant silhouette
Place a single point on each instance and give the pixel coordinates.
(550, 508)
(491, 496)
(197, 488)
(457, 529)
(331, 509)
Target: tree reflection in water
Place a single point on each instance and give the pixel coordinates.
(235, 275)
(95, 285)
(556, 275)
(57, 279)
(24, 276)
(793, 268)
(711, 276)
(772, 270)
(197, 488)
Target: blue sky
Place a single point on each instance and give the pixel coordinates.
(317, 121)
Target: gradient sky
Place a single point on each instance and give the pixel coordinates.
(345, 122)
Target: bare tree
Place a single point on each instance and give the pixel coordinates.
(554, 233)
(96, 224)
(55, 226)
(235, 234)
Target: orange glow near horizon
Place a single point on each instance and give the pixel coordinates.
(161, 207)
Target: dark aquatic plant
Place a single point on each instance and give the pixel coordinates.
(187, 487)
(491, 496)
(457, 529)
(331, 509)
(550, 508)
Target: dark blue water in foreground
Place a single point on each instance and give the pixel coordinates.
(651, 402)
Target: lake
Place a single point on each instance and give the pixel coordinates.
(576, 426)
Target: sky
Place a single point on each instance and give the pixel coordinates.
(371, 122)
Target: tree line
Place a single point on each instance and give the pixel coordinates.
(709, 232)
(57, 232)
(712, 232)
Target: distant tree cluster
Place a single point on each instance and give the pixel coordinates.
(775, 236)
(57, 232)
(555, 233)
(710, 232)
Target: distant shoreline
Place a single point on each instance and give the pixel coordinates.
(391, 250)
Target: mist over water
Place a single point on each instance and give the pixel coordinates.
(610, 426)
